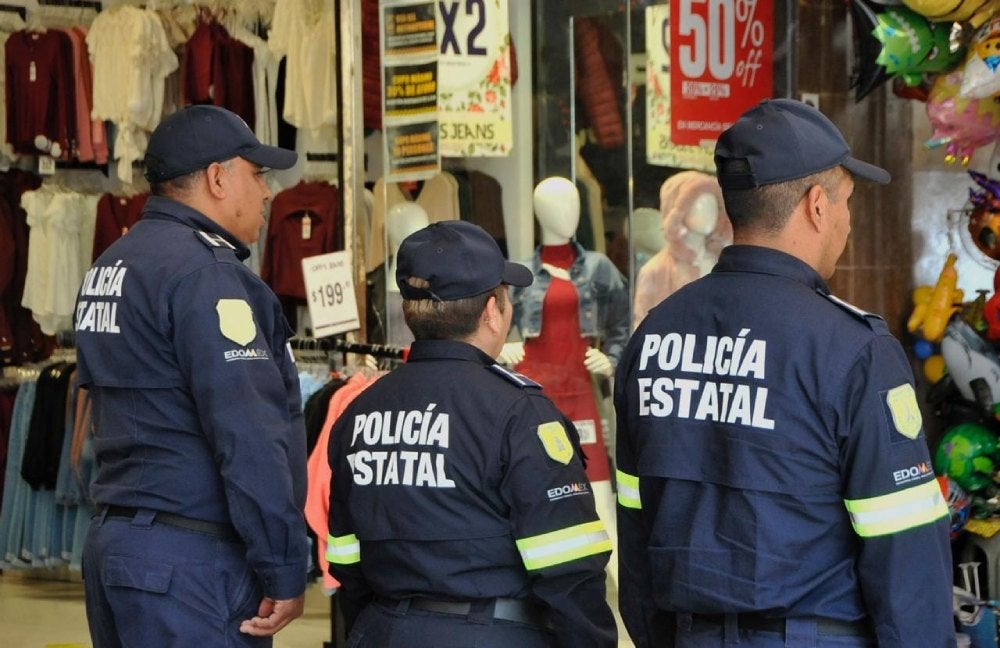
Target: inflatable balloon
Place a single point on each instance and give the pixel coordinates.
(972, 364)
(934, 305)
(913, 45)
(982, 79)
(868, 72)
(960, 125)
(959, 504)
(984, 219)
(934, 368)
(991, 310)
(966, 454)
(975, 11)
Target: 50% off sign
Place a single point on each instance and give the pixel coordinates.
(333, 307)
(721, 53)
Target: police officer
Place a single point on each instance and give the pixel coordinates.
(198, 434)
(460, 511)
(775, 487)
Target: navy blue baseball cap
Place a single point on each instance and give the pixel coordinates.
(783, 139)
(196, 136)
(458, 259)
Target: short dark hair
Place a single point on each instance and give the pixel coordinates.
(431, 319)
(182, 184)
(767, 207)
(176, 186)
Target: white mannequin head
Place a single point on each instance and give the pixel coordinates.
(646, 230)
(401, 220)
(404, 219)
(700, 221)
(557, 209)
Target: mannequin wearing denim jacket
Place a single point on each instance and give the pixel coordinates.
(603, 296)
(586, 295)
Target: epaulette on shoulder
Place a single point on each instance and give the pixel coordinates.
(213, 240)
(852, 309)
(512, 376)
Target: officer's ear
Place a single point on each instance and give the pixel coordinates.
(816, 202)
(215, 177)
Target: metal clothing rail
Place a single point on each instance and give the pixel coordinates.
(18, 9)
(82, 4)
(338, 344)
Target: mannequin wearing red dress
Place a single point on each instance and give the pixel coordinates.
(560, 358)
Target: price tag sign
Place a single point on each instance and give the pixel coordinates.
(721, 54)
(333, 307)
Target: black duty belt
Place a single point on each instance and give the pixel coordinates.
(505, 609)
(824, 626)
(221, 530)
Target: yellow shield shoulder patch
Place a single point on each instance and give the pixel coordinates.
(905, 412)
(236, 321)
(556, 441)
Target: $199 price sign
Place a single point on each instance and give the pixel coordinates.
(333, 307)
(721, 54)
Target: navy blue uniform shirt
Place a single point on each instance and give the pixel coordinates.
(772, 459)
(196, 405)
(456, 479)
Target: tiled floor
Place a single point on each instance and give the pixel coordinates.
(49, 613)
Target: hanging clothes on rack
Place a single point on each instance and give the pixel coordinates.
(21, 339)
(115, 216)
(132, 59)
(40, 92)
(218, 69)
(11, 20)
(303, 32)
(59, 253)
(91, 143)
(41, 525)
(305, 221)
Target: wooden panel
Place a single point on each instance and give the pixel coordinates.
(874, 272)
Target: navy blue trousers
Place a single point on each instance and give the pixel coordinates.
(798, 633)
(380, 626)
(150, 585)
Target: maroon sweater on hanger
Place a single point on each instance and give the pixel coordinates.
(305, 221)
(115, 216)
(40, 90)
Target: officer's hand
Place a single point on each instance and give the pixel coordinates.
(512, 353)
(597, 363)
(273, 615)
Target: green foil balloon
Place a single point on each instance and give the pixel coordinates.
(966, 454)
(912, 45)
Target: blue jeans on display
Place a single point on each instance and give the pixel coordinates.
(14, 509)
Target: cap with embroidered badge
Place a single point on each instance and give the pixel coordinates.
(196, 136)
(458, 259)
(783, 139)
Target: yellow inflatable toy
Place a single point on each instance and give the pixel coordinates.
(975, 11)
(934, 306)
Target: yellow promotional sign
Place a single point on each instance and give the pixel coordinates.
(474, 80)
(660, 149)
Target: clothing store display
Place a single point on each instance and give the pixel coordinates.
(305, 221)
(555, 359)
(303, 33)
(131, 58)
(115, 216)
(59, 253)
(40, 92)
(218, 69)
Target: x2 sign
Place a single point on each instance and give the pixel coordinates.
(721, 54)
